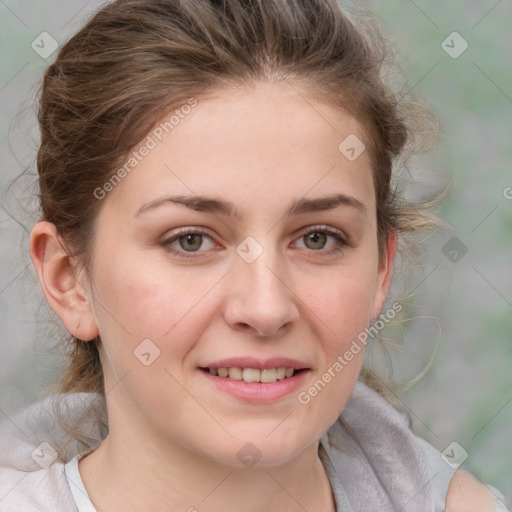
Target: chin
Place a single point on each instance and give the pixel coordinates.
(257, 452)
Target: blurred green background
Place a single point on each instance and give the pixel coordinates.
(461, 292)
(463, 306)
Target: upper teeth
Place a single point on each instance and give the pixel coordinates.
(253, 374)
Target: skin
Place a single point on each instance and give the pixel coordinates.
(173, 436)
(467, 494)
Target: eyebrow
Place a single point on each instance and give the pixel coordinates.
(219, 206)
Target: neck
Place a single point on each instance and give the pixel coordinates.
(145, 477)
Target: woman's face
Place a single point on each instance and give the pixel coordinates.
(250, 267)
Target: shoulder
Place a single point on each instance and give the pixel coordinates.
(467, 494)
(42, 490)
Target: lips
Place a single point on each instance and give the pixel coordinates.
(259, 382)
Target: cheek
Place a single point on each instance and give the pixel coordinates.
(340, 310)
(166, 307)
(342, 306)
(140, 300)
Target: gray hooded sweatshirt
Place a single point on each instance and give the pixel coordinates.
(373, 460)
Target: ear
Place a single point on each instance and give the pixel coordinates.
(60, 284)
(384, 275)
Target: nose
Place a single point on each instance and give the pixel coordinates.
(260, 301)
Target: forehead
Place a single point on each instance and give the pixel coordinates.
(265, 144)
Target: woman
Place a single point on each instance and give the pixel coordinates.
(218, 231)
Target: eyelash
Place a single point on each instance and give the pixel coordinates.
(336, 234)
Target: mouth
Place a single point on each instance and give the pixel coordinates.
(254, 380)
(254, 375)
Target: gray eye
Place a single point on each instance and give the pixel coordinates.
(191, 241)
(317, 239)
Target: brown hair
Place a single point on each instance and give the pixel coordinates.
(137, 59)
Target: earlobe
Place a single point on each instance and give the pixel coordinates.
(384, 275)
(59, 282)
